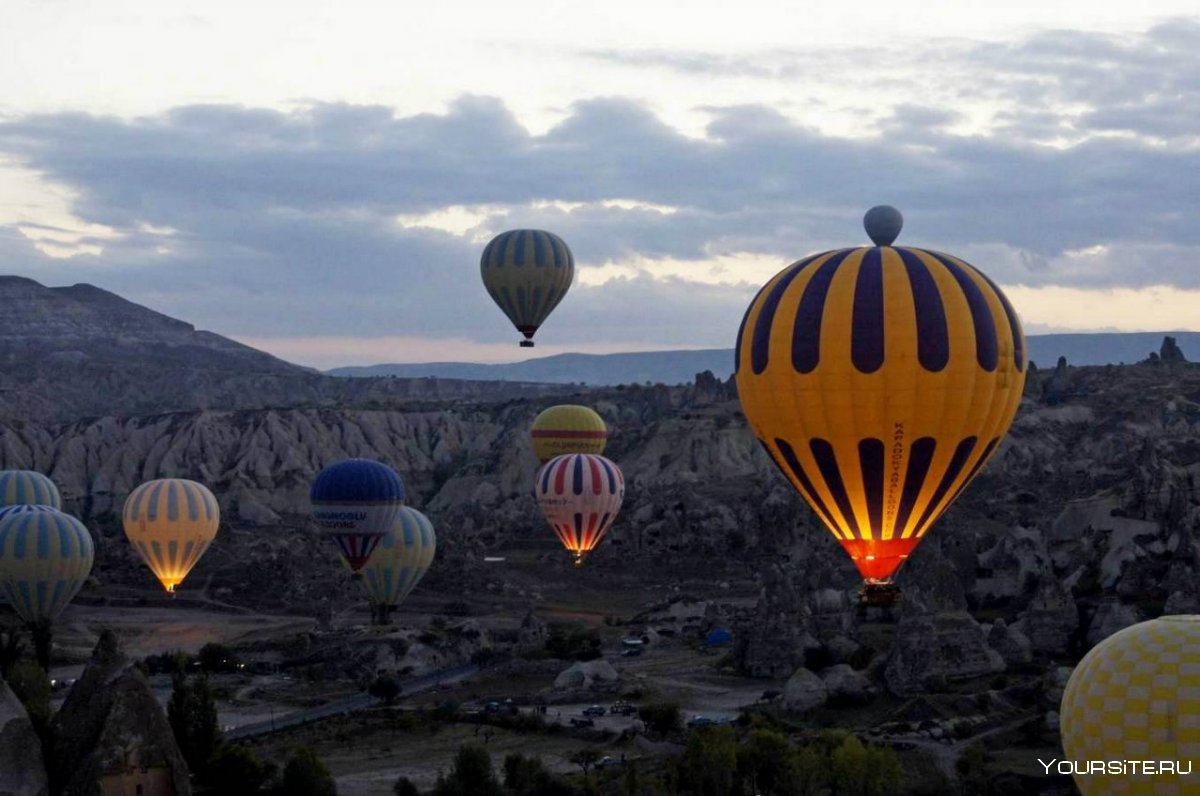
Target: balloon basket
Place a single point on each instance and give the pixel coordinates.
(878, 594)
(526, 344)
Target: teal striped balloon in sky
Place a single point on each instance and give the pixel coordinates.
(45, 556)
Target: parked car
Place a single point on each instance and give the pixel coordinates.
(632, 652)
(578, 722)
(609, 760)
(623, 709)
(594, 710)
(702, 721)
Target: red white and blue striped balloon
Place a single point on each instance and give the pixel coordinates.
(580, 494)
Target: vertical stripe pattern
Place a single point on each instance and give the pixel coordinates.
(880, 380)
(170, 522)
(527, 272)
(45, 557)
(580, 495)
(400, 559)
(26, 487)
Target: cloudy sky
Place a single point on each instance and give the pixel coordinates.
(318, 179)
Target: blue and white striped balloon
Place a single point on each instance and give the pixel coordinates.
(45, 556)
(27, 488)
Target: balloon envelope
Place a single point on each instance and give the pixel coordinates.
(568, 428)
(527, 272)
(354, 503)
(401, 558)
(1136, 696)
(45, 556)
(580, 494)
(26, 487)
(171, 522)
(880, 380)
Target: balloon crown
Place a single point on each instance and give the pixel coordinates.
(883, 224)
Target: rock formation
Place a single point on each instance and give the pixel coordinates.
(111, 732)
(804, 691)
(22, 768)
(933, 649)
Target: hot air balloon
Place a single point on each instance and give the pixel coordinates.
(171, 522)
(1135, 697)
(355, 502)
(580, 494)
(568, 428)
(26, 487)
(399, 561)
(527, 272)
(45, 556)
(880, 380)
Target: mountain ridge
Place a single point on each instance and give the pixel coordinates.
(681, 366)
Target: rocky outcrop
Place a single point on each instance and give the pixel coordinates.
(804, 691)
(1110, 617)
(1012, 645)
(1170, 353)
(111, 732)
(932, 650)
(846, 685)
(22, 768)
(587, 675)
(1051, 619)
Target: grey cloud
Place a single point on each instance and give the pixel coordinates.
(286, 220)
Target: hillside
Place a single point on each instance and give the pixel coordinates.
(79, 351)
(680, 367)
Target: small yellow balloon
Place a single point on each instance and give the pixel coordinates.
(568, 428)
(1136, 697)
(170, 522)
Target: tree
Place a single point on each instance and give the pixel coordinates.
(193, 718)
(709, 764)
(306, 775)
(808, 772)
(865, 771)
(660, 717)
(10, 652)
(472, 775)
(237, 770)
(405, 787)
(585, 759)
(521, 773)
(31, 685)
(763, 762)
(386, 688)
(526, 776)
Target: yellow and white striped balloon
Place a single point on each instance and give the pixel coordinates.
(170, 522)
(27, 488)
(45, 556)
(401, 559)
(1136, 697)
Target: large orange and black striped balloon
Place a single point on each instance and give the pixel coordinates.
(880, 380)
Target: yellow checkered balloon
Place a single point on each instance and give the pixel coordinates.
(1136, 697)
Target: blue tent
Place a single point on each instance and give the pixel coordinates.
(719, 637)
